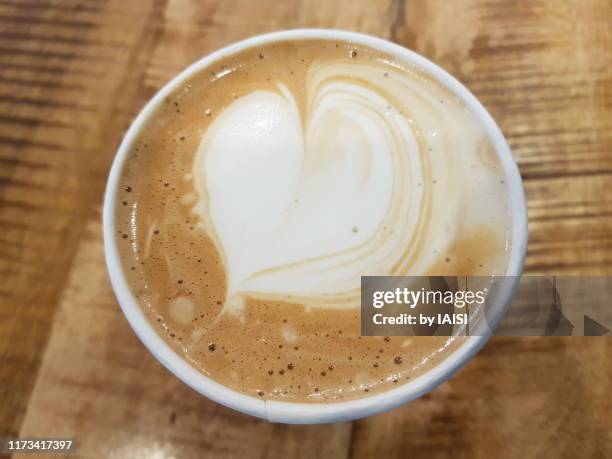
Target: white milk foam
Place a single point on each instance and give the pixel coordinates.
(374, 175)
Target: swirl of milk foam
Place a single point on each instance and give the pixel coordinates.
(365, 177)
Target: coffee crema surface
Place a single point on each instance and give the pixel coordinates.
(264, 186)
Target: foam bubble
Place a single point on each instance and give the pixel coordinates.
(182, 310)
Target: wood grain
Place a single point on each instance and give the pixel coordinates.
(72, 76)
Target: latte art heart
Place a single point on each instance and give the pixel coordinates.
(304, 196)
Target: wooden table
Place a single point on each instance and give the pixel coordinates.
(72, 76)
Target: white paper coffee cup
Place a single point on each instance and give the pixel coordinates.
(309, 413)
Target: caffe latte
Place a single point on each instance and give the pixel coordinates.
(265, 186)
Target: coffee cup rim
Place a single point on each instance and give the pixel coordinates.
(307, 413)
